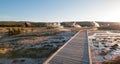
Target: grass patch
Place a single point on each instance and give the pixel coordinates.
(32, 53)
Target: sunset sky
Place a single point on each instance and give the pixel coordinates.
(59, 10)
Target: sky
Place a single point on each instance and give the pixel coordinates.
(59, 10)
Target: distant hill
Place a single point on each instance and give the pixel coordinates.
(20, 24)
(103, 25)
(83, 23)
(110, 23)
(106, 25)
(10, 24)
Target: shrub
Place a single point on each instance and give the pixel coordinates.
(15, 31)
(114, 47)
(50, 27)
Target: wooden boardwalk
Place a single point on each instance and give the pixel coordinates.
(75, 51)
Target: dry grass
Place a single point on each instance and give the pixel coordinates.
(33, 41)
(113, 61)
(3, 50)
